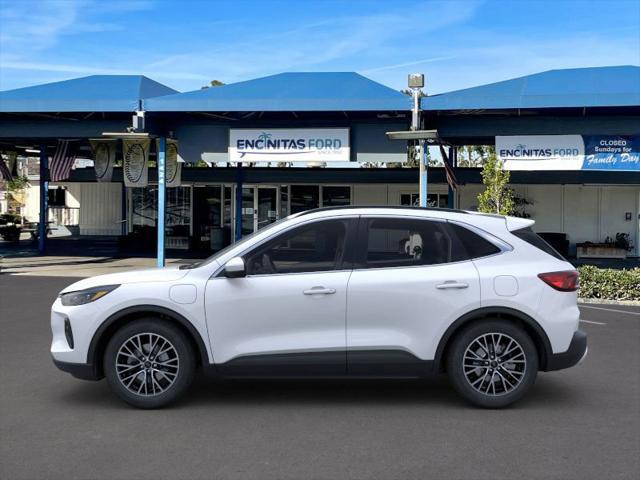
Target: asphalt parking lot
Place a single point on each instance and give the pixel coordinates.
(582, 423)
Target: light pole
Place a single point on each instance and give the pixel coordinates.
(416, 83)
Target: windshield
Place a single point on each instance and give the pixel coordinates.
(239, 243)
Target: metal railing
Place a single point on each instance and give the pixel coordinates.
(64, 215)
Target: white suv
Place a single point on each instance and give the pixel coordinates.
(341, 292)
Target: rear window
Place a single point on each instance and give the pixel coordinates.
(470, 245)
(532, 238)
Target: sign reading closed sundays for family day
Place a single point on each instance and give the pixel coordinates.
(569, 152)
(289, 145)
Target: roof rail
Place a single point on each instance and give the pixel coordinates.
(394, 207)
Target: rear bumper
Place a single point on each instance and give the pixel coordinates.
(575, 353)
(83, 371)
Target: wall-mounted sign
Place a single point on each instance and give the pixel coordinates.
(541, 152)
(289, 145)
(611, 152)
(569, 152)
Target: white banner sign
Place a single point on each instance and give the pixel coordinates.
(289, 145)
(136, 162)
(104, 157)
(541, 152)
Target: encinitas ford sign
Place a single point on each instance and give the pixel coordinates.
(569, 152)
(289, 145)
(541, 152)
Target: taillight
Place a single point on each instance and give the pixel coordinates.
(562, 281)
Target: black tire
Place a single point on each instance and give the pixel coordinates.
(494, 382)
(174, 371)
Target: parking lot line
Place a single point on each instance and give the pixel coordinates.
(609, 309)
(591, 321)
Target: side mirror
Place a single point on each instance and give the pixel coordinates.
(235, 268)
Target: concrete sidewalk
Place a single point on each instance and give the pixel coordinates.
(59, 266)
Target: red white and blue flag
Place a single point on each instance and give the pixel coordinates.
(62, 160)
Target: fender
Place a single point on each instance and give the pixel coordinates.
(202, 349)
(498, 311)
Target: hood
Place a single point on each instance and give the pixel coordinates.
(167, 274)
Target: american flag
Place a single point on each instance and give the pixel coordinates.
(451, 176)
(62, 161)
(5, 173)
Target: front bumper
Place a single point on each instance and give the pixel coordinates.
(575, 353)
(83, 371)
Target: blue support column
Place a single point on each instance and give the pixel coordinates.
(162, 191)
(44, 199)
(238, 226)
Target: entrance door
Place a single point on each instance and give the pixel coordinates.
(259, 208)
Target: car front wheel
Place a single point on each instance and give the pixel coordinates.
(149, 363)
(492, 363)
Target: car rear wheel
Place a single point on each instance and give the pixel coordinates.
(492, 363)
(149, 363)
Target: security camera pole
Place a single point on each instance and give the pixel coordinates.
(416, 83)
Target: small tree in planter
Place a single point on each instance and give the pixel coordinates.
(11, 222)
(497, 197)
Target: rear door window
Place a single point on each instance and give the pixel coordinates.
(404, 242)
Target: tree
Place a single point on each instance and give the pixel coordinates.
(213, 83)
(474, 155)
(497, 197)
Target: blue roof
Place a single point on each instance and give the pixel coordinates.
(298, 92)
(96, 93)
(576, 87)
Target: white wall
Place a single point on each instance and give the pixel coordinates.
(585, 212)
(100, 208)
(370, 195)
(615, 202)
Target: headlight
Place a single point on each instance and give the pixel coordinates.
(81, 297)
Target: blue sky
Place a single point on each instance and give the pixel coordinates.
(184, 44)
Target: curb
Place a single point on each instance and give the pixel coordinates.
(600, 301)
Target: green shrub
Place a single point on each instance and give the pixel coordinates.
(609, 284)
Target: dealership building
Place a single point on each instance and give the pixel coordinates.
(243, 155)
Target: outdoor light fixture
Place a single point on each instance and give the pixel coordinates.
(126, 134)
(416, 80)
(430, 136)
(31, 150)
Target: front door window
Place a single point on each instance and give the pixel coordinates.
(319, 246)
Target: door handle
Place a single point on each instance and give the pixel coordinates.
(319, 291)
(452, 284)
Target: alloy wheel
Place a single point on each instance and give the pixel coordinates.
(147, 364)
(494, 364)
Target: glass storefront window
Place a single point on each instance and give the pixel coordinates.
(409, 199)
(433, 200)
(144, 207)
(336, 196)
(304, 197)
(284, 201)
(207, 217)
(144, 214)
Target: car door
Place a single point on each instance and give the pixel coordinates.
(407, 287)
(286, 317)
